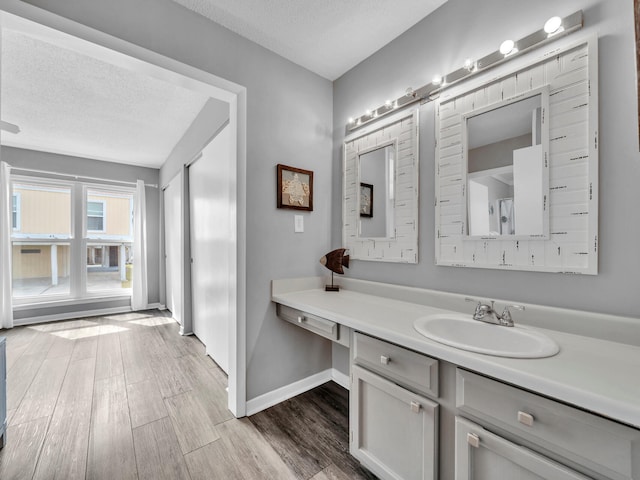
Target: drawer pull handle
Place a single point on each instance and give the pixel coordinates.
(415, 407)
(301, 319)
(473, 440)
(384, 360)
(525, 419)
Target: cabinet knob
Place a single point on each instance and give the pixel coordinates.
(473, 440)
(300, 319)
(525, 419)
(415, 407)
(384, 359)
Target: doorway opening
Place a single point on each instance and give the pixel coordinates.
(29, 20)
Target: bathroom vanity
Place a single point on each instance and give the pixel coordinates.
(420, 409)
(434, 393)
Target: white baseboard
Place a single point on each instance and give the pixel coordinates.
(340, 378)
(70, 315)
(79, 314)
(156, 305)
(281, 394)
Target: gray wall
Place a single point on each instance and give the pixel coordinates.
(439, 44)
(289, 121)
(17, 157)
(494, 155)
(209, 121)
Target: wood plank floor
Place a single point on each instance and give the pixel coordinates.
(127, 397)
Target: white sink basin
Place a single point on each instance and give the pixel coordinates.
(461, 331)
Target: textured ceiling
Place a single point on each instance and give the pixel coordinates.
(328, 37)
(69, 103)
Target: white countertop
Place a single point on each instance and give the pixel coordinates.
(596, 375)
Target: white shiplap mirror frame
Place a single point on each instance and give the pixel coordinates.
(572, 247)
(403, 246)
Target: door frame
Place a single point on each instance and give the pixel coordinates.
(17, 14)
(179, 315)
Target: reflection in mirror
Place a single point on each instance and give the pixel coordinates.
(507, 176)
(377, 175)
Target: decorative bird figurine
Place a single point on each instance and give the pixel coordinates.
(334, 261)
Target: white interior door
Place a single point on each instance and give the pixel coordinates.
(172, 246)
(211, 241)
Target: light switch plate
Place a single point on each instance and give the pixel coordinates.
(298, 223)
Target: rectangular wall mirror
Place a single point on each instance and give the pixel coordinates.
(380, 190)
(516, 183)
(506, 147)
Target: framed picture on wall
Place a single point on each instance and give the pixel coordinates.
(366, 200)
(295, 188)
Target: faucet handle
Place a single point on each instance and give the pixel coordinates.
(506, 314)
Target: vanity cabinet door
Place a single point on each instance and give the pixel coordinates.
(393, 432)
(481, 455)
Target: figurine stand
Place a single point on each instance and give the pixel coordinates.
(332, 287)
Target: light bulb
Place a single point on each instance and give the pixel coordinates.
(507, 47)
(553, 25)
(367, 113)
(469, 64)
(388, 104)
(350, 120)
(436, 80)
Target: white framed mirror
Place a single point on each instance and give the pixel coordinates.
(380, 190)
(506, 149)
(561, 232)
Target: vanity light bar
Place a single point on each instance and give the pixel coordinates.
(430, 91)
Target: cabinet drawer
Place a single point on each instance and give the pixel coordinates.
(405, 367)
(559, 431)
(318, 325)
(480, 455)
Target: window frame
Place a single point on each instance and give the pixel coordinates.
(77, 239)
(95, 237)
(47, 185)
(44, 239)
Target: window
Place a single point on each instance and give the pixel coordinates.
(15, 211)
(41, 221)
(109, 240)
(95, 215)
(70, 240)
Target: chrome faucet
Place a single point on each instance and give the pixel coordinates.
(487, 313)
